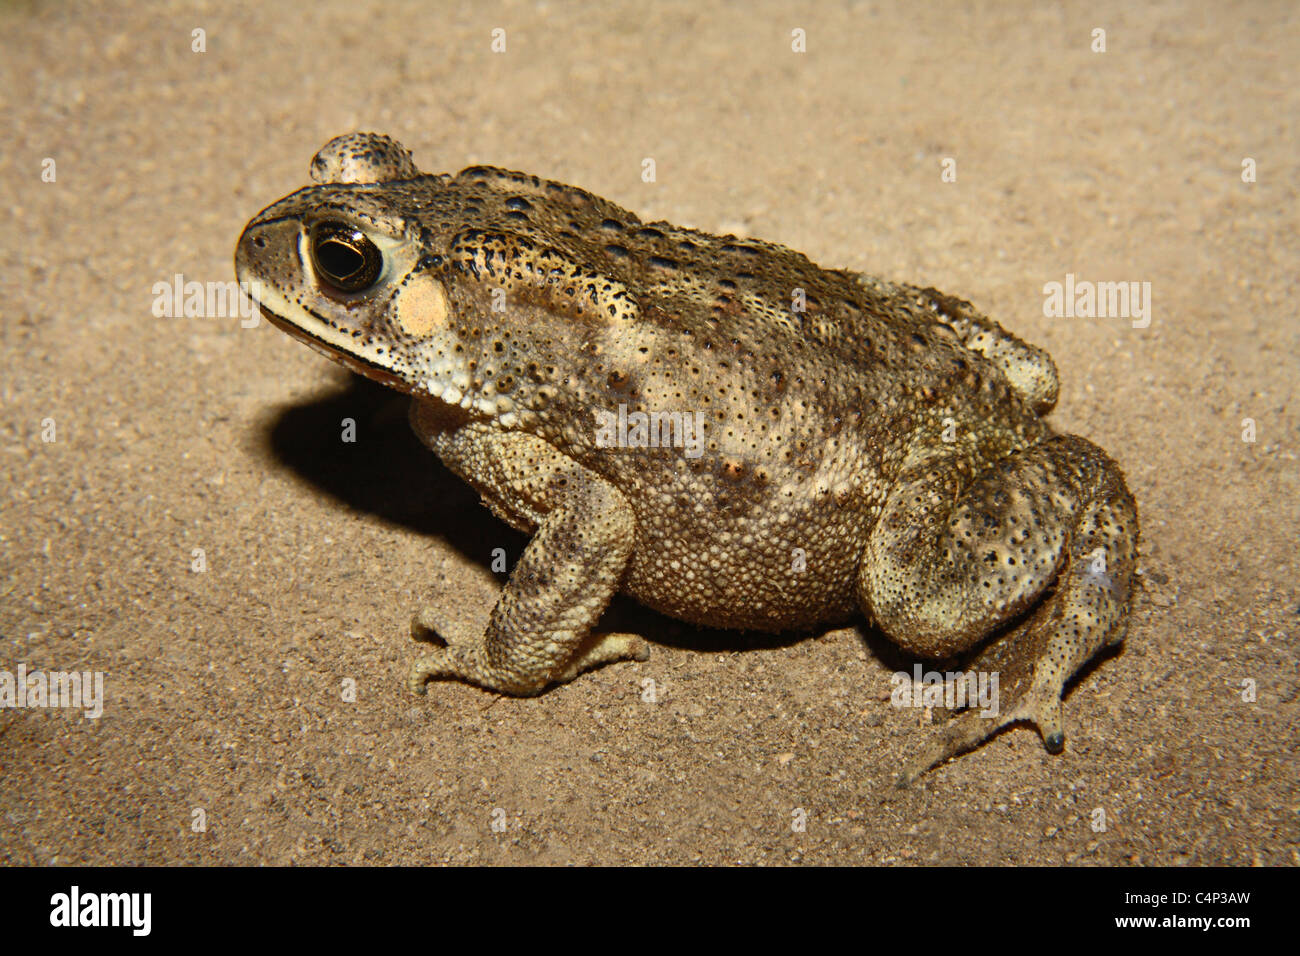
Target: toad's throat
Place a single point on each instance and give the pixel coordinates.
(355, 363)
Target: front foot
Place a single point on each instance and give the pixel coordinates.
(455, 659)
(462, 662)
(445, 663)
(605, 649)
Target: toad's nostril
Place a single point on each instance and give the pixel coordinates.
(260, 242)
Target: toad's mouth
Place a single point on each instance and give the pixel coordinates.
(356, 363)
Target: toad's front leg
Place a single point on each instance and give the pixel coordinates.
(540, 629)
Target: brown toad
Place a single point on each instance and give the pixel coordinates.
(715, 426)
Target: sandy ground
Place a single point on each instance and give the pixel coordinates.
(225, 709)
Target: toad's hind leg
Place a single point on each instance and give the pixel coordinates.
(947, 565)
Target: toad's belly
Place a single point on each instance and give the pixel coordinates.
(773, 575)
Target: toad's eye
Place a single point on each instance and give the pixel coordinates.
(344, 257)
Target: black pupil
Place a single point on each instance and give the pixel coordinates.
(340, 259)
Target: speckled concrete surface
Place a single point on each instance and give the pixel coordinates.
(227, 708)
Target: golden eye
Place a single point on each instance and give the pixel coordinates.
(344, 257)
